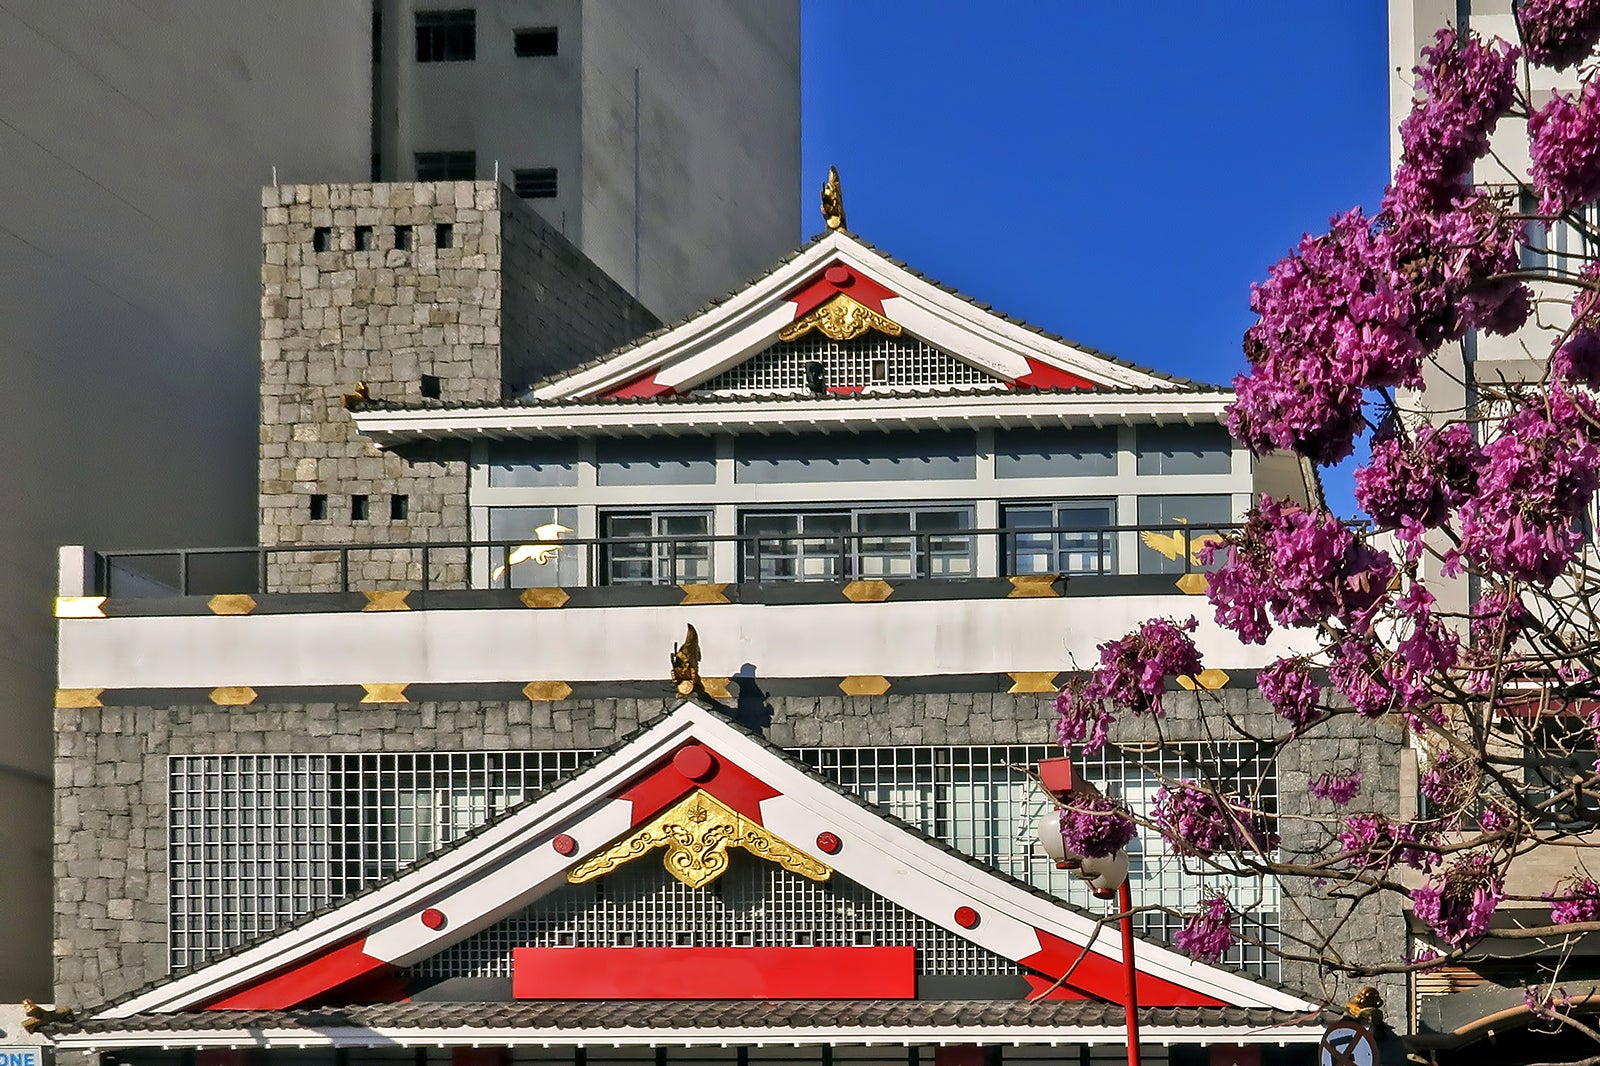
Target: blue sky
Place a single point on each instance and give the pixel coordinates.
(1116, 173)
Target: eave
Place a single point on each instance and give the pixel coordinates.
(388, 426)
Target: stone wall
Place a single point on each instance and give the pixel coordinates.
(458, 282)
(111, 797)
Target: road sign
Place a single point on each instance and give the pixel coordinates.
(1345, 1043)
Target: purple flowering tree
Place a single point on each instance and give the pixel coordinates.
(1458, 620)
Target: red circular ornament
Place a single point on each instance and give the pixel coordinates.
(841, 276)
(694, 762)
(433, 918)
(829, 842)
(966, 917)
(564, 844)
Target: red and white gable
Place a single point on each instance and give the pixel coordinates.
(691, 765)
(841, 287)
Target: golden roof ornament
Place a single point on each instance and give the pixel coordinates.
(686, 664)
(833, 200)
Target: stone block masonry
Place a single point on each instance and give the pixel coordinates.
(451, 290)
(112, 784)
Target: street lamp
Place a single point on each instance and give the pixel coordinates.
(1106, 876)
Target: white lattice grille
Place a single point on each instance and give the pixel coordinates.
(755, 904)
(870, 359)
(257, 841)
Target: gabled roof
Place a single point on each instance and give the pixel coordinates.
(677, 357)
(531, 849)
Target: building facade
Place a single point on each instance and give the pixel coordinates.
(136, 137)
(398, 761)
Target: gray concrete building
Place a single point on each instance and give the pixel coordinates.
(662, 139)
(136, 139)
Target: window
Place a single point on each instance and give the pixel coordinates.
(1055, 452)
(1173, 530)
(844, 545)
(689, 461)
(363, 238)
(538, 183)
(319, 507)
(1205, 449)
(403, 238)
(447, 36)
(528, 550)
(358, 508)
(533, 463)
(321, 239)
(867, 457)
(447, 166)
(1068, 537)
(444, 235)
(539, 41)
(637, 554)
(399, 508)
(429, 386)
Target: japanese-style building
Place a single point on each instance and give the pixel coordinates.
(412, 780)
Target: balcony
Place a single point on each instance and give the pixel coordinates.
(1094, 561)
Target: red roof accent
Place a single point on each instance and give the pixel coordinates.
(1101, 978)
(314, 977)
(665, 784)
(714, 973)
(642, 387)
(1044, 376)
(822, 288)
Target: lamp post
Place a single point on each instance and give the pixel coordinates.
(1107, 877)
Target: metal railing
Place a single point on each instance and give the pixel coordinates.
(657, 560)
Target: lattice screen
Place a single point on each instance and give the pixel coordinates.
(259, 840)
(870, 359)
(754, 904)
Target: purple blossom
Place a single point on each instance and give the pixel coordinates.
(1420, 480)
(1538, 477)
(1095, 827)
(1458, 905)
(1465, 86)
(1495, 819)
(1373, 842)
(1577, 361)
(1208, 933)
(1574, 899)
(1564, 144)
(1288, 686)
(1448, 781)
(1305, 567)
(1132, 673)
(1558, 33)
(1337, 786)
(1358, 677)
(1197, 822)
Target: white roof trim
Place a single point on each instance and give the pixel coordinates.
(510, 864)
(724, 335)
(794, 414)
(776, 1036)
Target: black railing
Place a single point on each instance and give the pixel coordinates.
(665, 560)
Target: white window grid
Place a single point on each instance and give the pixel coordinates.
(257, 841)
(754, 904)
(870, 359)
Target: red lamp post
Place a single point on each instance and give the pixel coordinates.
(1107, 877)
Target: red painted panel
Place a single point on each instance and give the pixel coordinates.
(305, 980)
(664, 784)
(1235, 1055)
(819, 290)
(480, 1056)
(1044, 376)
(642, 387)
(1101, 978)
(714, 973)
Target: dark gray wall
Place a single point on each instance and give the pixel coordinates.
(111, 835)
(135, 139)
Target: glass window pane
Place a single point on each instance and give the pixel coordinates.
(863, 457)
(688, 461)
(530, 463)
(534, 556)
(1172, 530)
(1085, 452)
(1205, 449)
